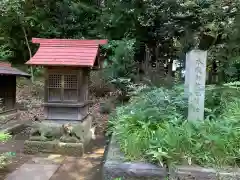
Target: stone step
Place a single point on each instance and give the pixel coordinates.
(38, 168)
(14, 126)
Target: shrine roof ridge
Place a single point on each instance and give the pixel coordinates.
(7, 69)
(66, 52)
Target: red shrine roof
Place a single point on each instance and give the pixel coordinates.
(66, 52)
(7, 69)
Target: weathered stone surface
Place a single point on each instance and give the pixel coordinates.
(9, 123)
(115, 166)
(81, 132)
(196, 60)
(33, 172)
(199, 173)
(71, 149)
(5, 117)
(14, 127)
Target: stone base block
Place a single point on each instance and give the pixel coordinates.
(116, 167)
(54, 147)
(200, 173)
(56, 123)
(15, 128)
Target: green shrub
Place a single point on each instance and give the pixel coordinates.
(4, 137)
(153, 127)
(139, 120)
(217, 98)
(207, 143)
(232, 112)
(5, 157)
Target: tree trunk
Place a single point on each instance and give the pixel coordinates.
(169, 78)
(29, 49)
(169, 71)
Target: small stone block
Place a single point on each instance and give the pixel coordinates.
(200, 173)
(33, 172)
(115, 166)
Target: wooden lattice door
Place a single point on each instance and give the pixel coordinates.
(70, 91)
(62, 87)
(54, 87)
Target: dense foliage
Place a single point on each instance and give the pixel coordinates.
(120, 59)
(153, 127)
(167, 28)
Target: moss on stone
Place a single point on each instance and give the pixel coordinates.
(71, 149)
(38, 138)
(69, 139)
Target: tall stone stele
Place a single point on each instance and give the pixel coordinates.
(195, 79)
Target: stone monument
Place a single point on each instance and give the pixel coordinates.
(195, 79)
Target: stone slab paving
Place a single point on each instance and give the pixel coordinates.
(37, 168)
(33, 172)
(58, 167)
(87, 167)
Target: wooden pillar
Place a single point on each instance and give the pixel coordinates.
(46, 91)
(14, 94)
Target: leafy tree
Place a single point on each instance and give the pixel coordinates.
(22, 19)
(167, 28)
(120, 62)
(172, 26)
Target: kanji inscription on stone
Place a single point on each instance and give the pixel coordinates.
(195, 83)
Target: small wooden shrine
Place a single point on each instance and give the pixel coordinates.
(8, 76)
(67, 64)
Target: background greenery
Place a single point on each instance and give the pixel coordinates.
(169, 27)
